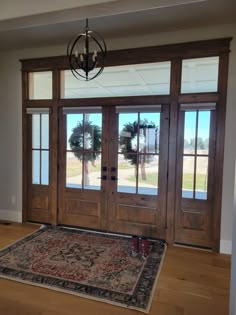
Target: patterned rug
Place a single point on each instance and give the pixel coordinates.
(91, 265)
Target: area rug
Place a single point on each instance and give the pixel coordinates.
(91, 265)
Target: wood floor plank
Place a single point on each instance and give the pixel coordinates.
(191, 282)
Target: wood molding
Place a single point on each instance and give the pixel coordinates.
(195, 49)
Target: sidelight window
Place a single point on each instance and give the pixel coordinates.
(196, 150)
(40, 145)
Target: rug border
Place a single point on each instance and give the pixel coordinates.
(86, 296)
(147, 310)
(42, 226)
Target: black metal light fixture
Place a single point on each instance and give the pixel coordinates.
(86, 52)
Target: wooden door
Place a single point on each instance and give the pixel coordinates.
(195, 175)
(126, 191)
(82, 154)
(138, 157)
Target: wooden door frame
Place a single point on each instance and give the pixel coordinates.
(174, 53)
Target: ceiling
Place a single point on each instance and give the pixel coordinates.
(42, 25)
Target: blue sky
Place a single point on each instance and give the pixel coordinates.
(190, 119)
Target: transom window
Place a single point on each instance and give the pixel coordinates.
(200, 75)
(40, 85)
(130, 80)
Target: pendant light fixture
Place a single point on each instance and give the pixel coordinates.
(86, 52)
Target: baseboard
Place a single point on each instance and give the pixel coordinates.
(225, 247)
(11, 215)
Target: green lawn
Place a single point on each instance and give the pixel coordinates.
(74, 168)
(187, 181)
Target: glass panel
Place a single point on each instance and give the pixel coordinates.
(149, 132)
(126, 175)
(44, 167)
(73, 171)
(93, 132)
(148, 174)
(84, 138)
(200, 75)
(128, 128)
(203, 132)
(201, 178)
(128, 80)
(189, 132)
(188, 177)
(36, 167)
(36, 131)
(40, 85)
(74, 131)
(92, 172)
(44, 131)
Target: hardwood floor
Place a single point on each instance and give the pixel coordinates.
(192, 282)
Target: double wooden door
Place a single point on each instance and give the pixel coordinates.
(113, 168)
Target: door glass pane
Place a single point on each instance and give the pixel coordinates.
(203, 132)
(74, 131)
(73, 171)
(148, 174)
(189, 132)
(126, 174)
(92, 172)
(188, 177)
(138, 148)
(40, 85)
(200, 75)
(44, 167)
(36, 131)
(128, 80)
(36, 166)
(84, 144)
(128, 130)
(93, 132)
(201, 178)
(149, 132)
(44, 131)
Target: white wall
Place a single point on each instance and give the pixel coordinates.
(10, 118)
(233, 260)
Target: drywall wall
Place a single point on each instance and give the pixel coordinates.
(233, 261)
(10, 118)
